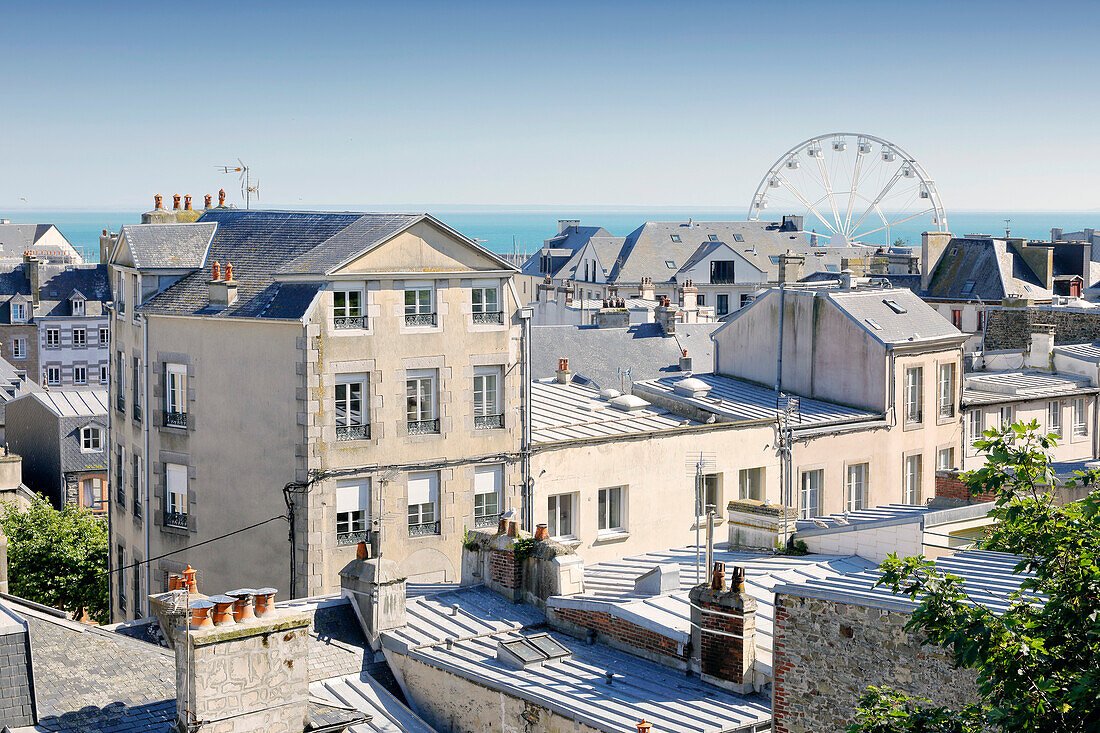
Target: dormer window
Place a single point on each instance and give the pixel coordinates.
(91, 439)
(77, 305)
(18, 312)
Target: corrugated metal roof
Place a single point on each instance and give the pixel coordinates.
(74, 402)
(571, 412)
(462, 613)
(1089, 351)
(365, 694)
(609, 586)
(576, 688)
(989, 579)
(735, 400)
(991, 387)
(889, 514)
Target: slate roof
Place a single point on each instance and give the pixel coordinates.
(982, 268)
(57, 283)
(567, 244)
(982, 388)
(362, 233)
(169, 246)
(15, 239)
(989, 579)
(872, 309)
(598, 353)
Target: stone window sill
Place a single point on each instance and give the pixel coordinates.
(568, 541)
(611, 535)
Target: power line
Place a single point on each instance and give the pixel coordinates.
(197, 544)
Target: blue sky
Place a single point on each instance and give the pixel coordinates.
(568, 103)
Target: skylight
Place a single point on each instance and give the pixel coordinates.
(531, 650)
(832, 268)
(873, 324)
(738, 238)
(712, 237)
(675, 237)
(968, 287)
(774, 259)
(670, 264)
(894, 306)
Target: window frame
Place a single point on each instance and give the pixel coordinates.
(1055, 426)
(554, 516)
(22, 317)
(914, 395)
(743, 486)
(1080, 427)
(417, 306)
(82, 341)
(483, 517)
(347, 315)
(53, 337)
(175, 388)
(422, 517)
(78, 370)
(722, 304)
(91, 439)
(19, 347)
(853, 503)
(479, 308)
(419, 377)
(481, 405)
(176, 496)
(352, 515)
(343, 404)
(814, 493)
(104, 336)
(77, 307)
(912, 490)
(946, 390)
(948, 451)
(974, 416)
(50, 370)
(610, 510)
(104, 373)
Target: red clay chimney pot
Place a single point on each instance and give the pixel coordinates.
(217, 271)
(158, 201)
(206, 201)
(265, 601)
(187, 202)
(189, 578)
(361, 551)
(644, 727)
(221, 197)
(175, 202)
(541, 533)
(228, 271)
(718, 579)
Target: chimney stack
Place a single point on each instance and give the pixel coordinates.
(648, 291)
(1040, 347)
(376, 589)
(563, 373)
(723, 630)
(932, 246)
(3, 561)
(17, 699)
(223, 293)
(32, 268)
(175, 202)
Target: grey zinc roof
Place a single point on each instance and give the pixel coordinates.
(890, 515)
(980, 268)
(980, 388)
(609, 587)
(989, 578)
(169, 246)
(576, 688)
(736, 400)
(365, 694)
(74, 402)
(561, 412)
(871, 309)
(1086, 351)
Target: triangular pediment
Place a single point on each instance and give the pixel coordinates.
(423, 247)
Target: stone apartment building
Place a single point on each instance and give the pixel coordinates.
(54, 324)
(362, 367)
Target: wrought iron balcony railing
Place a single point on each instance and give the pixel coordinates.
(423, 530)
(420, 319)
(488, 422)
(488, 318)
(175, 519)
(489, 520)
(353, 432)
(423, 427)
(351, 538)
(349, 322)
(175, 419)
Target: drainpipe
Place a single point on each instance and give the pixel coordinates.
(145, 430)
(525, 315)
(111, 488)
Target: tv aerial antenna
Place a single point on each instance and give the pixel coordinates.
(248, 188)
(698, 465)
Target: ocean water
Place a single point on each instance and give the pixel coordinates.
(500, 229)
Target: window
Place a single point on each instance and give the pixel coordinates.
(53, 375)
(913, 476)
(945, 459)
(120, 474)
(957, 318)
(137, 294)
(895, 306)
(104, 374)
(486, 304)
(968, 287)
(745, 299)
(139, 477)
(19, 348)
(80, 338)
(1054, 417)
(120, 370)
(120, 564)
(104, 336)
(139, 392)
(701, 299)
(488, 488)
(976, 424)
(947, 390)
(711, 492)
(913, 397)
(809, 500)
(712, 237)
(420, 403)
(352, 511)
(751, 481)
(981, 320)
(120, 293)
(80, 374)
(1080, 417)
(855, 487)
(423, 496)
(559, 515)
(1006, 415)
(610, 508)
(77, 306)
(91, 439)
(175, 396)
(91, 494)
(721, 272)
(351, 422)
(175, 476)
(419, 307)
(675, 237)
(723, 306)
(347, 309)
(487, 412)
(18, 312)
(53, 338)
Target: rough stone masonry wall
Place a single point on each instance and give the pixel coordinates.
(827, 653)
(1010, 328)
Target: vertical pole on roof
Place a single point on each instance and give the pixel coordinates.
(698, 515)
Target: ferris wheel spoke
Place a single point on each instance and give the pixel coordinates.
(829, 190)
(805, 202)
(852, 193)
(881, 194)
(888, 224)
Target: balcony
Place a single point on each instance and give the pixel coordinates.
(340, 322)
(120, 404)
(344, 539)
(175, 419)
(947, 410)
(419, 320)
(175, 519)
(489, 318)
(423, 427)
(353, 432)
(488, 422)
(137, 413)
(489, 520)
(423, 530)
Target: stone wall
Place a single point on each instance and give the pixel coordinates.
(1010, 328)
(828, 653)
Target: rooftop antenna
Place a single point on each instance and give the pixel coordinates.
(623, 374)
(1007, 232)
(247, 187)
(697, 464)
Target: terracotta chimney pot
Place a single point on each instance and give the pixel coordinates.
(221, 197)
(265, 601)
(541, 533)
(217, 271)
(175, 202)
(187, 202)
(718, 579)
(242, 604)
(563, 365)
(223, 610)
(228, 270)
(361, 551)
(737, 580)
(502, 526)
(644, 727)
(513, 528)
(200, 614)
(206, 200)
(189, 579)
(158, 201)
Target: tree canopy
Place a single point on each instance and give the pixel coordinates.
(58, 557)
(1038, 663)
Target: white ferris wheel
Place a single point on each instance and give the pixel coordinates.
(855, 186)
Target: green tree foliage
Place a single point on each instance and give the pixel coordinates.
(1037, 664)
(58, 558)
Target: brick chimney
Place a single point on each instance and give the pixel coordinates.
(223, 293)
(376, 589)
(32, 268)
(247, 676)
(723, 630)
(665, 314)
(505, 569)
(791, 267)
(563, 373)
